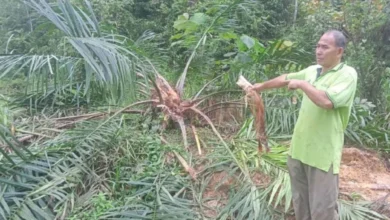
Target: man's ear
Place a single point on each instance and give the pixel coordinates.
(340, 51)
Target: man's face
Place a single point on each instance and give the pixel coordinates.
(327, 53)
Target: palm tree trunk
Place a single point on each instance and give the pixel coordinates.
(295, 13)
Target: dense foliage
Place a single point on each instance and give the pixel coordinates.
(80, 140)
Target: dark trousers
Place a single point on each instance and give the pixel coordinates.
(314, 191)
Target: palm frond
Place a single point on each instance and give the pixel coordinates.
(247, 203)
(222, 11)
(359, 211)
(73, 21)
(167, 202)
(96, 57)
(43, 186)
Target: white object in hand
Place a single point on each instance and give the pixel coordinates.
(243, 83)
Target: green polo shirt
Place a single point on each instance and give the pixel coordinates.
(318, 136)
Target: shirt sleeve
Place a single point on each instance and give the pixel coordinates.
(301, 75)
(342, 91)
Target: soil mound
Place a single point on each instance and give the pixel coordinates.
(363, 174)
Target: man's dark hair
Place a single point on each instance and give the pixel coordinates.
(340, 39)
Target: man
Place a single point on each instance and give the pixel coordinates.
(316, 146)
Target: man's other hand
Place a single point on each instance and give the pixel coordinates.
(294, 84)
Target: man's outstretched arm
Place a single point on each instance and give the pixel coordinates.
(274, 83)
(316, 96)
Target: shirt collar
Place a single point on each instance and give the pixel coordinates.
(334, 69)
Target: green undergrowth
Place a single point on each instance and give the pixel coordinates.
(146, 181)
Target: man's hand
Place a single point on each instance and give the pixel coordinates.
(319, 97)
(294, 84)
(248, 88)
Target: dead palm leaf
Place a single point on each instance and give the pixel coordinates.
(257, 107)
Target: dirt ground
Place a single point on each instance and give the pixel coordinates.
(363, 176)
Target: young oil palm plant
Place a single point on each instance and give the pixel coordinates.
(86, 62)
(367, 127)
